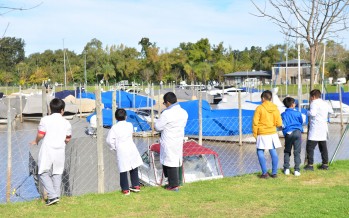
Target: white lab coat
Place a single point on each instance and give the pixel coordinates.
(171, 125)
(120, 139)
(318, 118)
(52, 151)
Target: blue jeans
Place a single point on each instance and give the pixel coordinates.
(263, 163)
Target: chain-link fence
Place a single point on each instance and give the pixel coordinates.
(219, 137)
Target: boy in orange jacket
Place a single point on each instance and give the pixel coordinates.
(266, 119)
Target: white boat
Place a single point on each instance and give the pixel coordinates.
(145, 114)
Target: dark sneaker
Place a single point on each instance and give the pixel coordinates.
(274, 176)
(264, 176)
(309, 168)
(135, 189)
(125, 192)
(323, 167)
(52, 201)
(175, 189)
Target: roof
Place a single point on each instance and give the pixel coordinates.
(250, 73)
(293, 62)
(190, 148)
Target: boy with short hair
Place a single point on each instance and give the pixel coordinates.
(55, 131)
(266, 119)
(292, 129)
(128, 158)
(171, 124)
(318, 129)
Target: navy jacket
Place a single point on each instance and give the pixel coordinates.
(291, 120)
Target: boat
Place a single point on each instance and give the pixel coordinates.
(139, 124)
(33, 108)
(219, 94)
(199, 163)
(145, 114)
(4, 112)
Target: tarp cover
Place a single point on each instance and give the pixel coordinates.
(190, 148)
(139, 125)
(128, 100)
(216, 122)
(335, 96)
(34, 105)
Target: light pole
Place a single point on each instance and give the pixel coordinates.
(85, 69)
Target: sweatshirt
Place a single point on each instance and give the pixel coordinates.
(266, 118)
(292, 119)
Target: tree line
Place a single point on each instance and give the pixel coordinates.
(197, 62)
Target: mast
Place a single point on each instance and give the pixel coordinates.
(85, 70)
(299, 72)
(323, 72)
(65, 68)
(287, 64)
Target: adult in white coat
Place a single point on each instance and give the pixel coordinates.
(318, 129)
(171, 124)
(128, 158)
(55, 131)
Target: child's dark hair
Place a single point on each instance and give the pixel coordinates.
(57, 105)
(170, 97)
(315, 93)
(120, 114)
(288, 102)
(267, 95)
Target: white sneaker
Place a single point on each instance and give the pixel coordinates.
(287, 172)
(297, 173)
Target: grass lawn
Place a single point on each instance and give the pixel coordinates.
(313, 194)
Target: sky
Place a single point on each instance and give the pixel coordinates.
(71, 24)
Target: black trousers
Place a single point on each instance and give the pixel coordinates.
(172, 173)
(310, 151)
(124, 179)
(293, 140)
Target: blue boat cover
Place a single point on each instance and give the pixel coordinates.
(128, 100)
(63, 94)
(223, 122)
(335, 96)
(138, 124)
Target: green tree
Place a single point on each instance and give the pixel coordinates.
(11, 53)
(222, 67)
(94, 59)
(317, 20)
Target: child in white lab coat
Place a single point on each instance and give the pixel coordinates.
(55, 131)
(128, 158)
(318, 129)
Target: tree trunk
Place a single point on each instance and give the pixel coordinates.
(313, 66)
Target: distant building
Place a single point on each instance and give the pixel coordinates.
(279, 72)
(251, 77)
